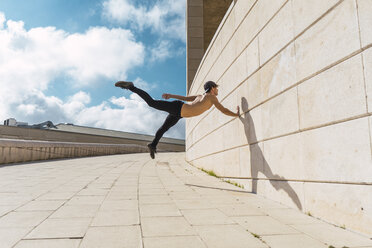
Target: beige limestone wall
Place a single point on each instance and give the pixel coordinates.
(301, 71)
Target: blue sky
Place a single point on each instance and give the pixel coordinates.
(60, 59)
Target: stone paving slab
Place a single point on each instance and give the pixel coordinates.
(157, 210)
(179, 242)
(116, 218)
(133, 201)
(48, 243)
(110, 205)
(233, 236)
(60, 228)
(113, 237)
(11, 235)
(332, 235)
(41, 206)
(206, 217)
(264, 225)
(166, 226)
(293, 241)
(86, 200)
(24, 219)
(76, 211)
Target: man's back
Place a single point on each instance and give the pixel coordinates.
(198, 106)
(201, 103)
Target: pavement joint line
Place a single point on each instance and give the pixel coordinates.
(138, 199)
(222, 189)
(52, 238)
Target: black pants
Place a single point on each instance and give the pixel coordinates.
(173, 108)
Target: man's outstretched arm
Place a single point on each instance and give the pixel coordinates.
(223, 109)
(183, 98)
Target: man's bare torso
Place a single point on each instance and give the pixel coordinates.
(201, 104)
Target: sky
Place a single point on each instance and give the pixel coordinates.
(59, 61)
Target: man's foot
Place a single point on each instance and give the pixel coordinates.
(124, 84)
(152, 150)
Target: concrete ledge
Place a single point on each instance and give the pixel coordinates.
(14, 151)
(79, 134)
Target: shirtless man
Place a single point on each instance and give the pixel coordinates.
(178, 109)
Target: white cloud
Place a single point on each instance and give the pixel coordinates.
(31, 59)
(140, 83)
(35, 57)
(102, 52)
(165, 17)
(161, 51)
(2, 20)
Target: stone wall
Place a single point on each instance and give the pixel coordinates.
(301, 71)
(15, 151)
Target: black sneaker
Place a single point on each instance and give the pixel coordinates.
(124, 84)
(152, 150)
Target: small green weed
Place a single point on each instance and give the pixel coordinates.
(236, 184)
(256, 235)
(211, 173)
(308, 213)
(331, 246)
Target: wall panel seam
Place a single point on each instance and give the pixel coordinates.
(298, 180)
(364, 77)
(287, 134)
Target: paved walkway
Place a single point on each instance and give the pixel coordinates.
(133, 201)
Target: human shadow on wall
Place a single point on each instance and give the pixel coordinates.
(258, 162)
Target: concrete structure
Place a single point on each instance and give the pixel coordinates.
(16, 151)
(119, 134)
(301, 71)
(133, 201)
(80, 134)
(13, 122)
(203, 18)
(19, 144)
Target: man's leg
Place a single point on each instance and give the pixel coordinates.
(170, 107)
(169, 122)
(157, 104)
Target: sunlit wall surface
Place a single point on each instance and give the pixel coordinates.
(301, 71)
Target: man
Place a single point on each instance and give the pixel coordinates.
(178, 109)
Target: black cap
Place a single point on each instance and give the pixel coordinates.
(209, 85)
